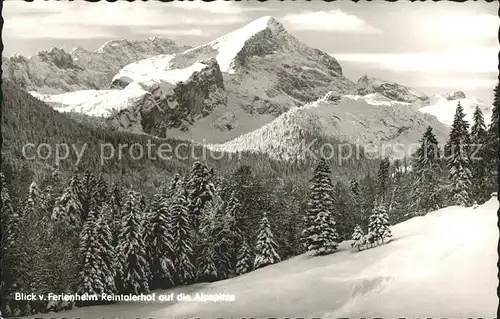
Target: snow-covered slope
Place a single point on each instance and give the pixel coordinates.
(94, 102)
(444, 108)
(442, 265)
(365, 120)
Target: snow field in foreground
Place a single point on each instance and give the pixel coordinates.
(439, 265)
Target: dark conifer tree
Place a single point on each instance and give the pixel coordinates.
(134, 272)
(200, 189)
(493, 143)
(68, 208)
(426, 167)
(159, 239)
(243, 265)
(458, 160)
(383, 180)
(182, 233)
(97, 255)
(319, 235)
(479, 160)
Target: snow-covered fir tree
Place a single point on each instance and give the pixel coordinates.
(206, 268)
(107, 250)
(68, 208)
(265, 248)
(231, 234)
(458, 161)
(221, 236)
(96, 276)
(379, 224)
(478, 128)
(182, 233)
(200, 190)
(158, 238)
(479, 159)
(358, 238)
(426, 167)
(493, 142)
(133, 272)
(243, 264)
(319, 234)
(172, 186)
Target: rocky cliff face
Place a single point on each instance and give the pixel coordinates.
(455, 96)
(391, 90)
(169, 106)
(57, 71)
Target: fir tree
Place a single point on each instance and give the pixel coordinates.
(68, 207)
(243, 264)
(92, 280)
(319, 234)
(479, 160)
(182, 233)
(159, 240)
(426, 168)
(107, 250)
(379, 224)
(98, 255)
(134, 272)
(231, 234)
(200, 190)
(493, 144)
(478, 129)
(458, 161)
(206, 261)
(265, 248)
(172, 187)
(358, 238)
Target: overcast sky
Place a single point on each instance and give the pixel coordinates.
(433, 46)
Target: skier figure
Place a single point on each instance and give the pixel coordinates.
(475, 205)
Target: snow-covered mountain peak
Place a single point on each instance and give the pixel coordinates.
(228, 46)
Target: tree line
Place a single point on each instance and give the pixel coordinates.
(90, 234)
